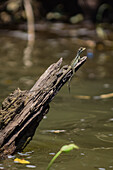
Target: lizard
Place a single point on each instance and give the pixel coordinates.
(71, 66)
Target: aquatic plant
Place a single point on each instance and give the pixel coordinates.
(65, 148)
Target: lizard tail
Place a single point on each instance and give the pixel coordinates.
(69, 83)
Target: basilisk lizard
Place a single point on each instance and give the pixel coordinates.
(71, 67)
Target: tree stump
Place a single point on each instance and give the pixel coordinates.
(22, 111)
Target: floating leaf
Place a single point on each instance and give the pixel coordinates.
(59, 131)
(30, 166)
(56, 131)
(21, 161)
(83, 97)
(104, 96)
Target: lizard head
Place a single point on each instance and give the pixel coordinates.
(80, 50)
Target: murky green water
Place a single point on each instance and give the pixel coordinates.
(86, 121)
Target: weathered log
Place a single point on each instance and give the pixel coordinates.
(22, 111)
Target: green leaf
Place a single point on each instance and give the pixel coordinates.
(68, 148)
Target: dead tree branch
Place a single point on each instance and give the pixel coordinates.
(22, 111)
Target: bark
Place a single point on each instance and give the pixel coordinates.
(22, 111)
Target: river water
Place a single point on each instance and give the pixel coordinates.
(82, 116)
